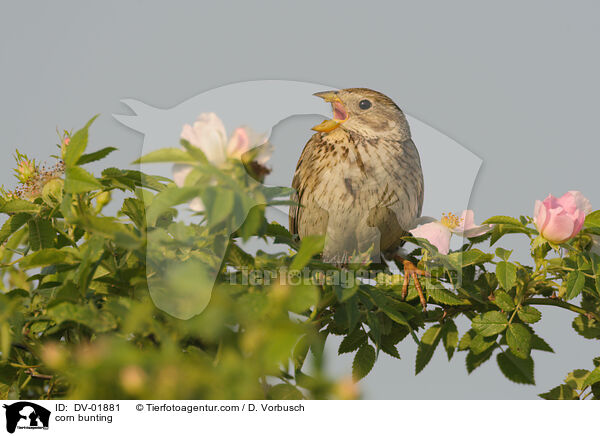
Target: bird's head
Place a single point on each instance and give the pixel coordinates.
(365, 112)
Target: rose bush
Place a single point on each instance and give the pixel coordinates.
(78, 309)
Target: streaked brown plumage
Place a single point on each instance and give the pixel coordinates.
(359, 179)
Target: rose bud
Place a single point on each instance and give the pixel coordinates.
(560, 219)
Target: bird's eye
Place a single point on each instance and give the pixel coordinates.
(364, 104)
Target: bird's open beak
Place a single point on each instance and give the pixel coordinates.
(340, 114)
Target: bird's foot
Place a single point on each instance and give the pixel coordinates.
(412, 272)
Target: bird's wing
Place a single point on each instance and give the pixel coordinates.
(303, 166)
(396, 199)
(404, 193)
(294, 212)
(416, 172)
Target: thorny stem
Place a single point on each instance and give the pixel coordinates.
(35, 374)
(570, 269)
(18, 365)
(563, 304)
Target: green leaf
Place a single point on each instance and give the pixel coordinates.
(238, 257)
(254, 221)
(363, 362)
(195, 152)
(500, 230)
(574, 284)
(462, 259)
(449, 337)
(475, 257)
(428, 344)
(109, 228)
(12, 224)
(374, 328)
(168, 198)
(45, 257)
(97, 155)
(351, 313)
(593, 219)
(394, 315)
(280, 233)
(310, 246)
(77, 145)
(507, 274)
(277, 191)
(489, 323)
(353, 341)
(588, 328)
(501, 219)
(166, 155)
(516, 369)
(135, 210)
(389, 347)
(41, 234)
(480, 343)
(519, 340)
(538, 343)
(86, 315)
(302, 297)
(444, 296)
(7, 376)
(593, 377)
(188, 288)
(423, 243)
(577, 378)
(78, 180)
(529, 314)
(67, 292)
(300, 352)
(474, 361)
(16, 206)
(283, 391)
(218, 203)
(504, 301)
(130, 179)
(503, 254)
(465, 341)
(254, 305)
(562, 392)
(345, 292)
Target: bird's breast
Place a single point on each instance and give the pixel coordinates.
(355, 177)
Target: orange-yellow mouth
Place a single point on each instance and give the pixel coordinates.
(340, 114)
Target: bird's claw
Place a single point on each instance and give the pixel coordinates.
(411, 271)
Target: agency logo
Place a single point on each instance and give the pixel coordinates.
(26, 415)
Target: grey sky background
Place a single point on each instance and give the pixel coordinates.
(516, 83)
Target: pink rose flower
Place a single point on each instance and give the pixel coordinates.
(209, 135)
(438, 233)
(560, 219)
